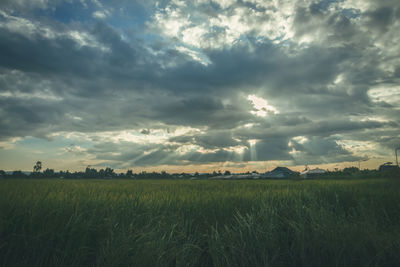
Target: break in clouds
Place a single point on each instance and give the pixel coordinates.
(132, 84)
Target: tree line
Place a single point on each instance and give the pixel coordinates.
(92, 173)
(109, 173)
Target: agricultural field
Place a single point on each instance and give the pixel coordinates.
(353, 222)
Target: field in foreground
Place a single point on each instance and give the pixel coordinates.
(200, 223)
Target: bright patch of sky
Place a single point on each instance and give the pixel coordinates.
(192, 25)
(389, 94)
(261, 106)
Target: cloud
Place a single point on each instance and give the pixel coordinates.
(319, 150)
(23, 5)
(243, 78)
(75, 149)
(100, 14)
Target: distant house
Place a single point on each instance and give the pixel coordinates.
(280, 172)
(388, 166)
(312, 173)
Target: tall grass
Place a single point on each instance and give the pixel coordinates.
(200, 223)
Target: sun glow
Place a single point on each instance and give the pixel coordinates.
(253, 151)
(261, 106)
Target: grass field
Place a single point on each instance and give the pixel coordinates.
(200, 223)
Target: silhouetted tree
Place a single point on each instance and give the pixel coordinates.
(108, 173)
(38, 166)
(48, 173)
(164, 174)
(351, 170)
(90, 172)
(227, 172)
(129, 173)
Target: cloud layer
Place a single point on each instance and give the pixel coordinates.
(135, 84)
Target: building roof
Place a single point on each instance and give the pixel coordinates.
(280, 172)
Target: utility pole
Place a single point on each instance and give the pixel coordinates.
(359, 164)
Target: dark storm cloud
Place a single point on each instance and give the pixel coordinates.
(213, 140)
(317, 146)
(93, 77)
(22, 118)
(321, 128)
(312, 19)
(195, 109)
(381, 18)
(317, 150)
(139, 155)
(59, 56)
(263, 65)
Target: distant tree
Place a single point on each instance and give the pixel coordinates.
(164, 174)
(38, 167)
(350, 170)
(2, 174)
(129, 173)
(90, 172)
(227, 172)
(142, 175)
(48, 173)
(109, 173)
(18, 174)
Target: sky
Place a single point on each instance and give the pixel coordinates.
(199, 85)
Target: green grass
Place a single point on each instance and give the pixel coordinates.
(200, 223)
